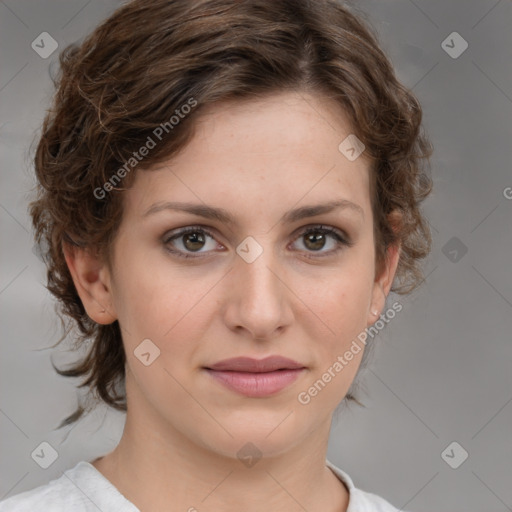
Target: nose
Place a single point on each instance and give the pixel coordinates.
(258, 297)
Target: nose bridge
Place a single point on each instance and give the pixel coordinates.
(256, 259)
(259, 301)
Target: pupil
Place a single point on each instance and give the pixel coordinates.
(194, 238)
(318, 240)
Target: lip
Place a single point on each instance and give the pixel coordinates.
(248, 364)
(256, 377)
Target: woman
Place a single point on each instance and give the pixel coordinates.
(228, 191)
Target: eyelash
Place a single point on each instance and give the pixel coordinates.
(341, 240)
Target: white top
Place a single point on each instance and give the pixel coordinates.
(84, 489)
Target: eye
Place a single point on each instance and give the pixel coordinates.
(193, 239)
(315, 238)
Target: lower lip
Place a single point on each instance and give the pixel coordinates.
(256, 384)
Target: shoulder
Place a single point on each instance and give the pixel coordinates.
(57, 495)
(361, 501)
(79, 489)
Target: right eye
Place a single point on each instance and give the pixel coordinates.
(190, 240)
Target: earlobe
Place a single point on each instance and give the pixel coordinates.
(92, 282)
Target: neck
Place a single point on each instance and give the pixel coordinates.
(157, 467)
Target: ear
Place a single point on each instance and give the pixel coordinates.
(384, 279)
(92, 282)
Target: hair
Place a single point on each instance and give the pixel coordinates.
(124, 83)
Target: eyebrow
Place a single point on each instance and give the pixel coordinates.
(224, 216)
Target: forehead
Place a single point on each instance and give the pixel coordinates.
(280, 124)
(262, 154)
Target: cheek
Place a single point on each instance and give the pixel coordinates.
(337, 355)
(343, 294)
(339, 303)
(162, 303)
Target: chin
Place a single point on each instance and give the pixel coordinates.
(257, 435)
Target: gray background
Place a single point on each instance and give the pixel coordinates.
(441, 372)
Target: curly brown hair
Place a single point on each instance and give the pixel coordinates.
(122, 84)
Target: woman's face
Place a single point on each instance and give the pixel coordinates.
(254, 287)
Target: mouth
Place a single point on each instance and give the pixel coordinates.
(256, 377)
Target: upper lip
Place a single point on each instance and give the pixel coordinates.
(248, 364)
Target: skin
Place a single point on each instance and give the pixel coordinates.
(256, 159)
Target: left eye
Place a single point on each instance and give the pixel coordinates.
(315, 239)
(194, 239)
